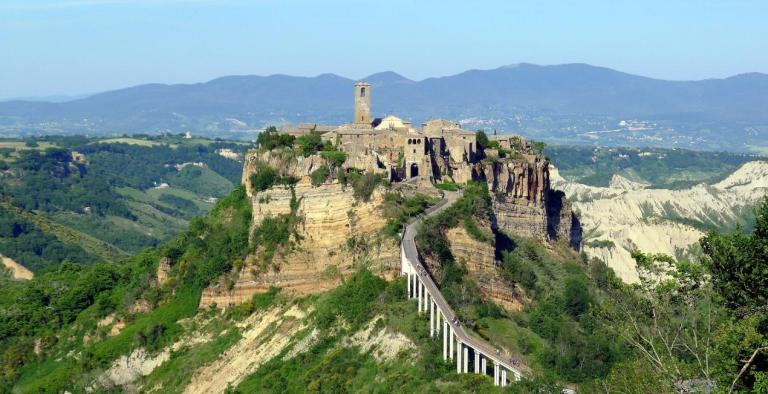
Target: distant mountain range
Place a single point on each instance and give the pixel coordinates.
(542, 100)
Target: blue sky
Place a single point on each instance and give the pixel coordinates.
(78, 46)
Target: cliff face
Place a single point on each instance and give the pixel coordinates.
(337, 234)
(479, 258)
(524, 203)
(286, 163)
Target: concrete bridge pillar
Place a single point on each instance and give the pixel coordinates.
(409, 288)
(450, 344)
(465, 358)
(477, 361)
(484, 365)
(445, 342)
(496, 373)
(431, 318)
(418, 292)
(458, 357)
(503, 378)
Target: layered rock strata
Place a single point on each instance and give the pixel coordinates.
(479, 258)
(524, 203)
(337, 234)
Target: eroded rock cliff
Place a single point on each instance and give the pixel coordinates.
(336, 234)
(524, 202)
(482, 266)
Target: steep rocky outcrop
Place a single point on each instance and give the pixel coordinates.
(285, 162)
(163, 270)
(525, 204)
(479, 258)
(337, 233)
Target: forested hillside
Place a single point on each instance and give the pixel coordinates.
(656, 167)
(86, 200)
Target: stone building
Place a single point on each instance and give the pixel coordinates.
(394, 147)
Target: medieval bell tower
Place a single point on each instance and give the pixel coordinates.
(362, 104)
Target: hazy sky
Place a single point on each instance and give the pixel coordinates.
(79, 46)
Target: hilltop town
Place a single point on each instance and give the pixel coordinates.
(442, 151)
(333, 226)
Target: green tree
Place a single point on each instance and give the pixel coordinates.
(482, 140)
(577, 297)
(668, 318)
(310, 143)
(264, 178)
(738, 264)
(270, 139)
(334, 158)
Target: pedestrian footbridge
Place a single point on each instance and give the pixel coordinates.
(471, 354)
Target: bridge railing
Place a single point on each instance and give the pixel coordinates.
(410, 252)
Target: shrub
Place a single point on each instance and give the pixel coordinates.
(273, 232)
(577, 297)
(364, 185)
(398, 209)
(447, 186)
(334, 158)
(270, 139)
(475, 232)
(353, 300)
(265, 300)
(519, 270)
(320, 175)
(265, 177)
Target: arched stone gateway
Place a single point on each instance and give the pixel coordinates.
(413, 171)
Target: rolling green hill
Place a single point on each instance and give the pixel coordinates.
(88, 199)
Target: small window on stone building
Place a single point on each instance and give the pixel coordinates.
(362, 92)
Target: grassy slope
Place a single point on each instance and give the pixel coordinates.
(203, 252)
